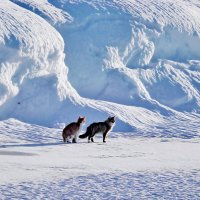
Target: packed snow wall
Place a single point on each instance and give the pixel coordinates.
(138, 60)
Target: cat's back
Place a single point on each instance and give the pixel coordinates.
(72, 127)
(98, 126)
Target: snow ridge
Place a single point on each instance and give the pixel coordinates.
(46, 10)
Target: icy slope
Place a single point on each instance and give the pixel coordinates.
(138, 60)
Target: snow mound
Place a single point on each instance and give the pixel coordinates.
(138, 60)
(110, 37)
(33, 75)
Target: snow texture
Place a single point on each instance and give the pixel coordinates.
(142, 185)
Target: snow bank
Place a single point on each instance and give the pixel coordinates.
(136, 60)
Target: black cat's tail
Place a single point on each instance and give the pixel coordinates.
(87, 133)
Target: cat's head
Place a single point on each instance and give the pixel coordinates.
(111, 120)
(81, 119)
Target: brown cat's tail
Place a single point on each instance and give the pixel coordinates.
(87, 133)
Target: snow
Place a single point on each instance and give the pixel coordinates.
(143, 48)
(47, 10)
(36, 164)
(114, 187)
(136, 60)
(99, 58)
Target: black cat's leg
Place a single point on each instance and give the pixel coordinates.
(104, 136)
(92, 139)
(89, 137)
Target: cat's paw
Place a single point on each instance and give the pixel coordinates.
(74, 141)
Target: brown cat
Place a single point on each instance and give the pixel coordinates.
(71, 131)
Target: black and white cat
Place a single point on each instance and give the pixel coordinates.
(99, 127)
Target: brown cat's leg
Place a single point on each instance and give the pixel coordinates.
(74, 140)
(64, 139)
(68, 140)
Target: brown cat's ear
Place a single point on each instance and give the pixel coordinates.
(82, 117)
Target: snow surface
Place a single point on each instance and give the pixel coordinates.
(137, 60)
(35, 164)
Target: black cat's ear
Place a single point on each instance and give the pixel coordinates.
(112, 117)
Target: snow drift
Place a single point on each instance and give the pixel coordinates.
(138, 60)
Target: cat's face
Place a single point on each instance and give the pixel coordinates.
(82, 120)
(111, 119)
